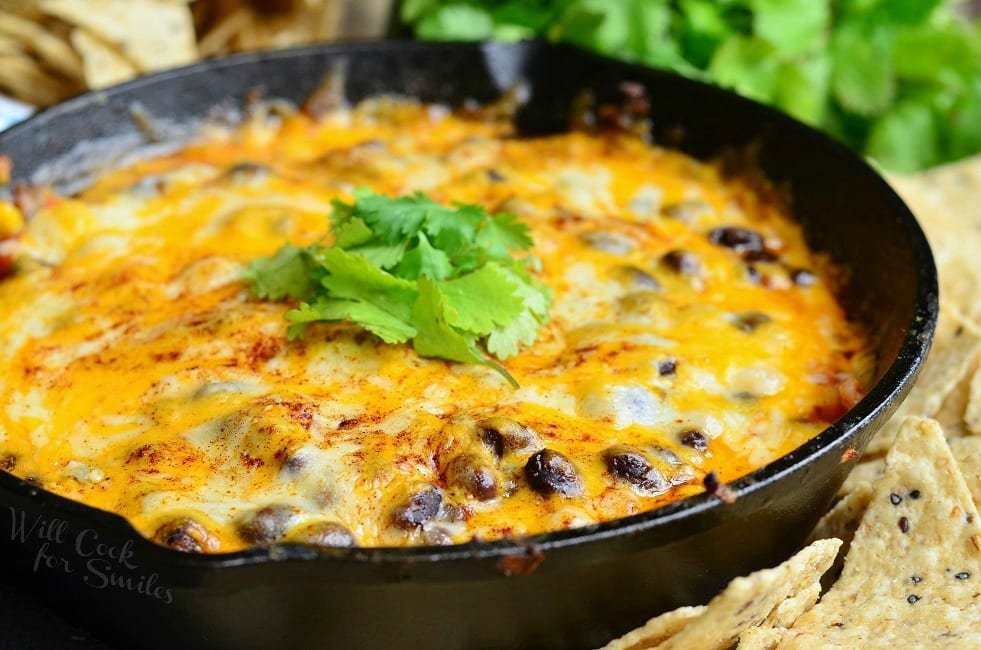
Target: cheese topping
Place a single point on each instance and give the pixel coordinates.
(691, 331)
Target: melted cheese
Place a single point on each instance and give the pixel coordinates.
(140, 376)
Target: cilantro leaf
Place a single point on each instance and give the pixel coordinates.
(502, 234)
(484, 300)
(423, 259)
(288, 273)
(465, 22)
(905, 137)
(802, 89)
(408, 268)
(379, 322)
(748, 65)
(792, 26)
(503, 342)
(863, 79)
(350, 232)
(436, 338)
(703, 28)
(354, 277)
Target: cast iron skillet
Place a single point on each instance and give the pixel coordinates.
(575, 588)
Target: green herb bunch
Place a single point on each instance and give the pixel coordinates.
(407, 268)
(899, 80)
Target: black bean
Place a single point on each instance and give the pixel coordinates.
(915, 494)
(915, 579)
(506, 436)
(326, 534)
(912, 598)
(741, 240)
(247, 171)
(266, 524)
(636, 278)
(550, 472)
(904, 524)
(761, 256)
(295, 462)
(802, 277)
(474, 476)
(642, 303)
(181, 540)
(185, 535)
(609, 242)
(435, 536)
(682, 262)
(419, 508)
(895, 499)
(452, 512)
(667, 367)
(750, 321)
(686, 211)
(963, 575)
(631, 465)
(694, 439)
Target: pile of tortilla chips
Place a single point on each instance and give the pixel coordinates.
(907, 519)
(53, 49)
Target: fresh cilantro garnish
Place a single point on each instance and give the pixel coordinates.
(899, 80)
(408, 268)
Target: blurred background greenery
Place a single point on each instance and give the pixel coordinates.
(899, 80)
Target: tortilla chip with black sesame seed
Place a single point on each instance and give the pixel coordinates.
(657, 630)
(751, 601)
(954, 355)
(912, 577)
(768, 598)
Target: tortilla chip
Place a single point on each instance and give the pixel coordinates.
(867, 471)
(954, 355)
(843, 519)
(9, 45)
(972, 411)
(967, 453)
(945, 202)
(786, 613)
(749, 601)
(23, 77)
(103, 66)
(913, 574)
(761, 638)
(151, 34)
(657, 630)
(769, 635)
(953, 413)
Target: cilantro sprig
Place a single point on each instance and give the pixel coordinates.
(899, 80)
(408, 268)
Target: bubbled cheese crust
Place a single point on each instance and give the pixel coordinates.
(141, 377)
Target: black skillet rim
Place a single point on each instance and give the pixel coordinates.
(895, 381)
